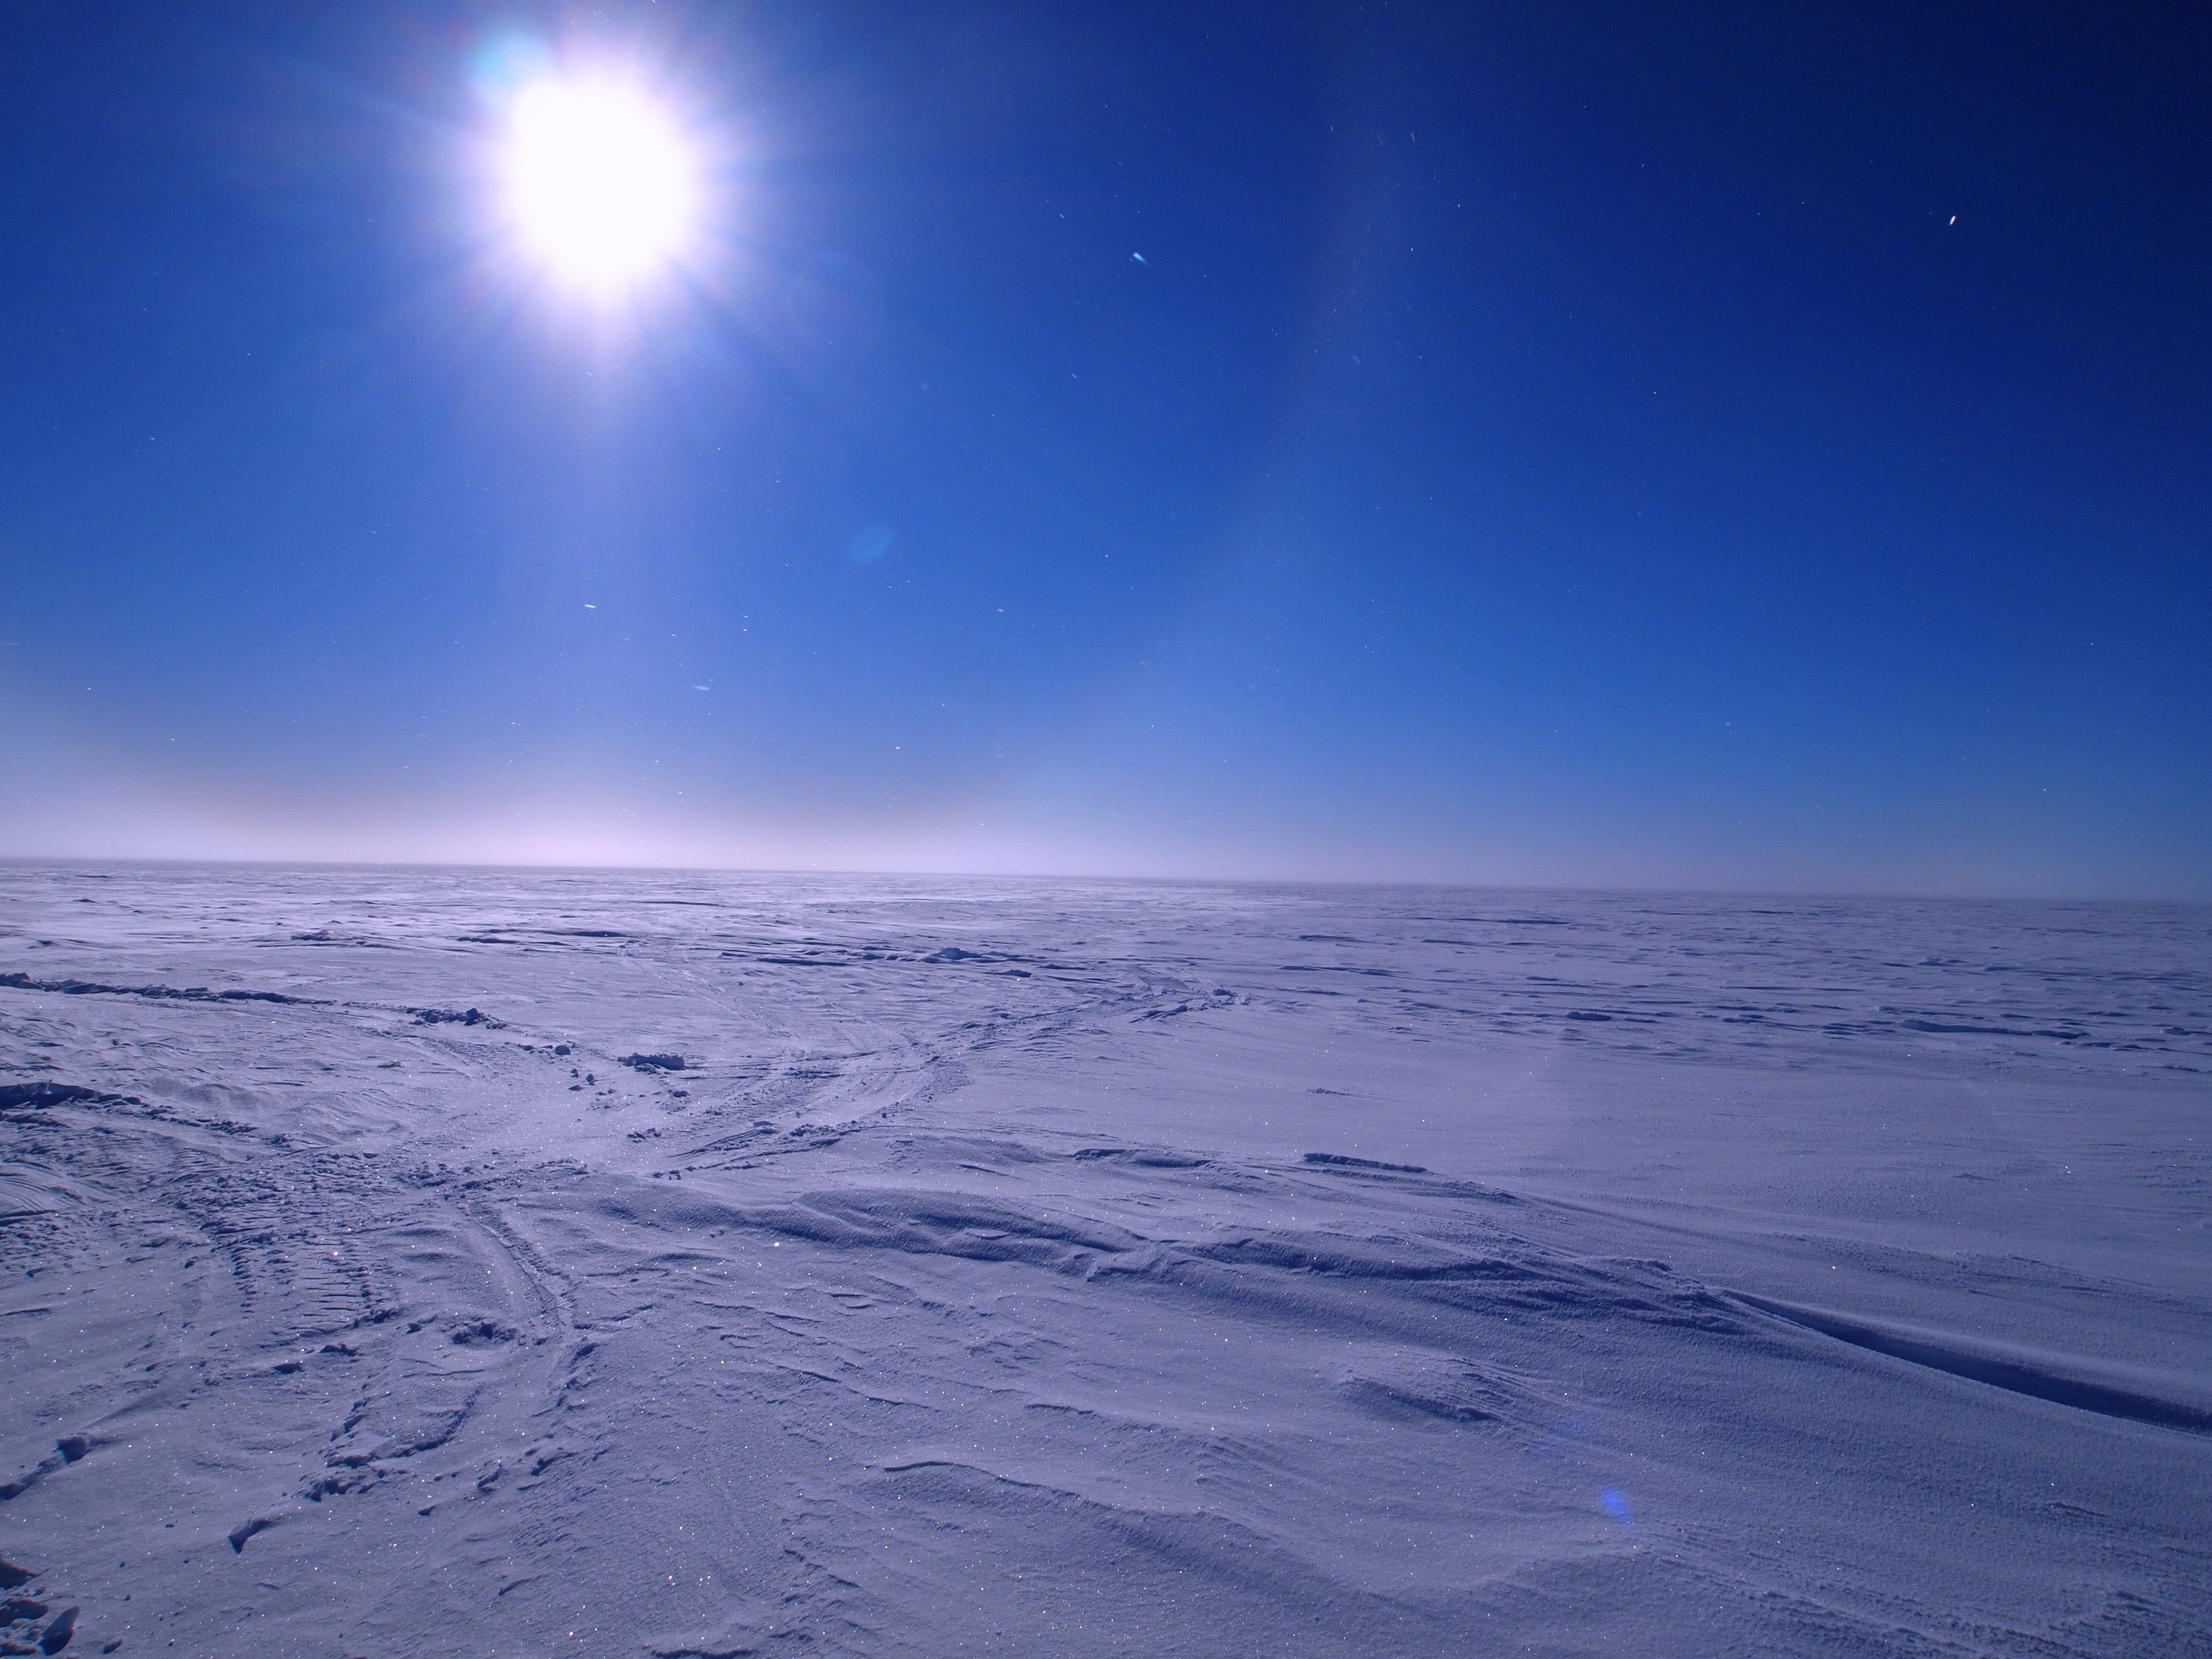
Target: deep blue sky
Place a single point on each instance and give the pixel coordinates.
(1560, 443)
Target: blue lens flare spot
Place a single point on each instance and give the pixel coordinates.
(1614, 1502)
(871, 543)
(505, 63)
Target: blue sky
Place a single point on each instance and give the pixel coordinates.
(1711, 447)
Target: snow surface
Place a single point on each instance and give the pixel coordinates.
(1080, 1268)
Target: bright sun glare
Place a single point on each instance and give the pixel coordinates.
(601, 184)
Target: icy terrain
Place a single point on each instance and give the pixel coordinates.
(1095, 1268)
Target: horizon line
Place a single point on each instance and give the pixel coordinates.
(1590, 890)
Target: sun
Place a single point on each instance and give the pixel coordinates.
(601, 185)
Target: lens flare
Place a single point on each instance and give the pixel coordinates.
(601, 185)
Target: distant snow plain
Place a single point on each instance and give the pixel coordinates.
(1092, 1267)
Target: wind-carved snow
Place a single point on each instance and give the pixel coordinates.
(439, 1262)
